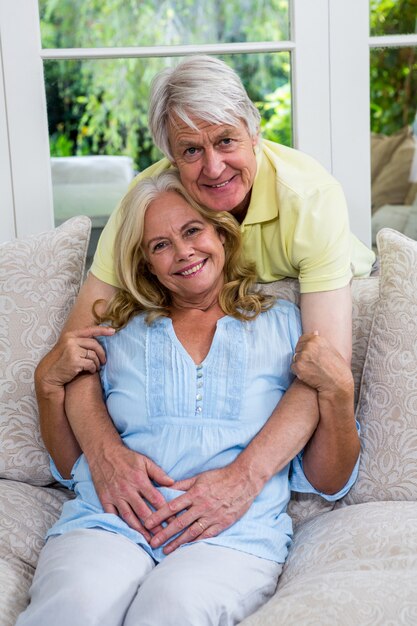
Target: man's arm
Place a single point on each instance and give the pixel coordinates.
(75, 352)
(330, 313)
(215, 499)
(122, 478)
(56, 431)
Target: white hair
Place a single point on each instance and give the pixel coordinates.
(202, 87)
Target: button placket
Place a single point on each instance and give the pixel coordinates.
(199, 395)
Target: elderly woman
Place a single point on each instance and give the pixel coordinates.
(199, 361)
(294, 223)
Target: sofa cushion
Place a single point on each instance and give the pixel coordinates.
(411, 197)
(26, 513)
(39, 279)
(89, 184)
(14, 592)
(387, 408)
(355, 565)
(392, 158)
(383, 148)
(402, 218)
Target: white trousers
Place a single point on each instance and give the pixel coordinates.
(93, 577)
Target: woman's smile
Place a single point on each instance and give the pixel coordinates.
(192, 270)
(184, 250)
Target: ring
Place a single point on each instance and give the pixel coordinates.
(201, 525)
(86, 354)
(294, 357)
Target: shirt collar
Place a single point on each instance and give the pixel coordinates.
(263, 204)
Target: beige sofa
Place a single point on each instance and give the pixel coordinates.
(352, 563)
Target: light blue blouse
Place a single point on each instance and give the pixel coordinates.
(190, 418)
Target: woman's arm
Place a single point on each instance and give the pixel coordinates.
(57, 369)
(330, 456)
(215, 499)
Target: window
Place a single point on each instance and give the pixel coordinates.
(393, 72)
(98, 106)
(313, 58)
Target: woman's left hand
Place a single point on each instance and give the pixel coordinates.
(75, 352)
(317, 363)
(213, 501)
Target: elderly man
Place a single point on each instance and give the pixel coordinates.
(294, 222)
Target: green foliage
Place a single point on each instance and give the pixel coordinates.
(100, 106)
(393, 70)
(276, 115)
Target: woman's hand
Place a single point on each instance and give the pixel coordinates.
(212, 502)
(331, 454)
(317, 363)
(76, 351)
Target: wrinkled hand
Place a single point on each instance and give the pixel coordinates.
(318, 364)
(77, 351)
(212, 502)
(123, 482)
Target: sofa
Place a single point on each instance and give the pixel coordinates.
(90, 184)
(352, 563)
(394, 181)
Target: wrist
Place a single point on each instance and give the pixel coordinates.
(253, 471)
(341, 391)
(337, 412)
(48, 390)
(105, 448)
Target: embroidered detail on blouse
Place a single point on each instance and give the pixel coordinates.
(195, 382)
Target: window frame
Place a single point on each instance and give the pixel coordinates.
(330, 99)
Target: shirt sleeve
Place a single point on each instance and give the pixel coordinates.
(67, 482)
(320, 242)
(299, 482)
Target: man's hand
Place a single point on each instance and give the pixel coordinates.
(123, 480)
(212, 502)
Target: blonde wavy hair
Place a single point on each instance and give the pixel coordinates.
(140, 291)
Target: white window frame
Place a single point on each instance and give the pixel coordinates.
(24, 156)
(329, 45)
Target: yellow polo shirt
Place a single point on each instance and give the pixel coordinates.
(297, 224)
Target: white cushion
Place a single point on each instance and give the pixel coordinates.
(387, 408)
(39, 280)
(357, 565)
(26, 514)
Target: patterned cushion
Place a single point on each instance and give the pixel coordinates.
(26, 513)
(355, 565)
(392, 158)
(387, 407)
(39, 279)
